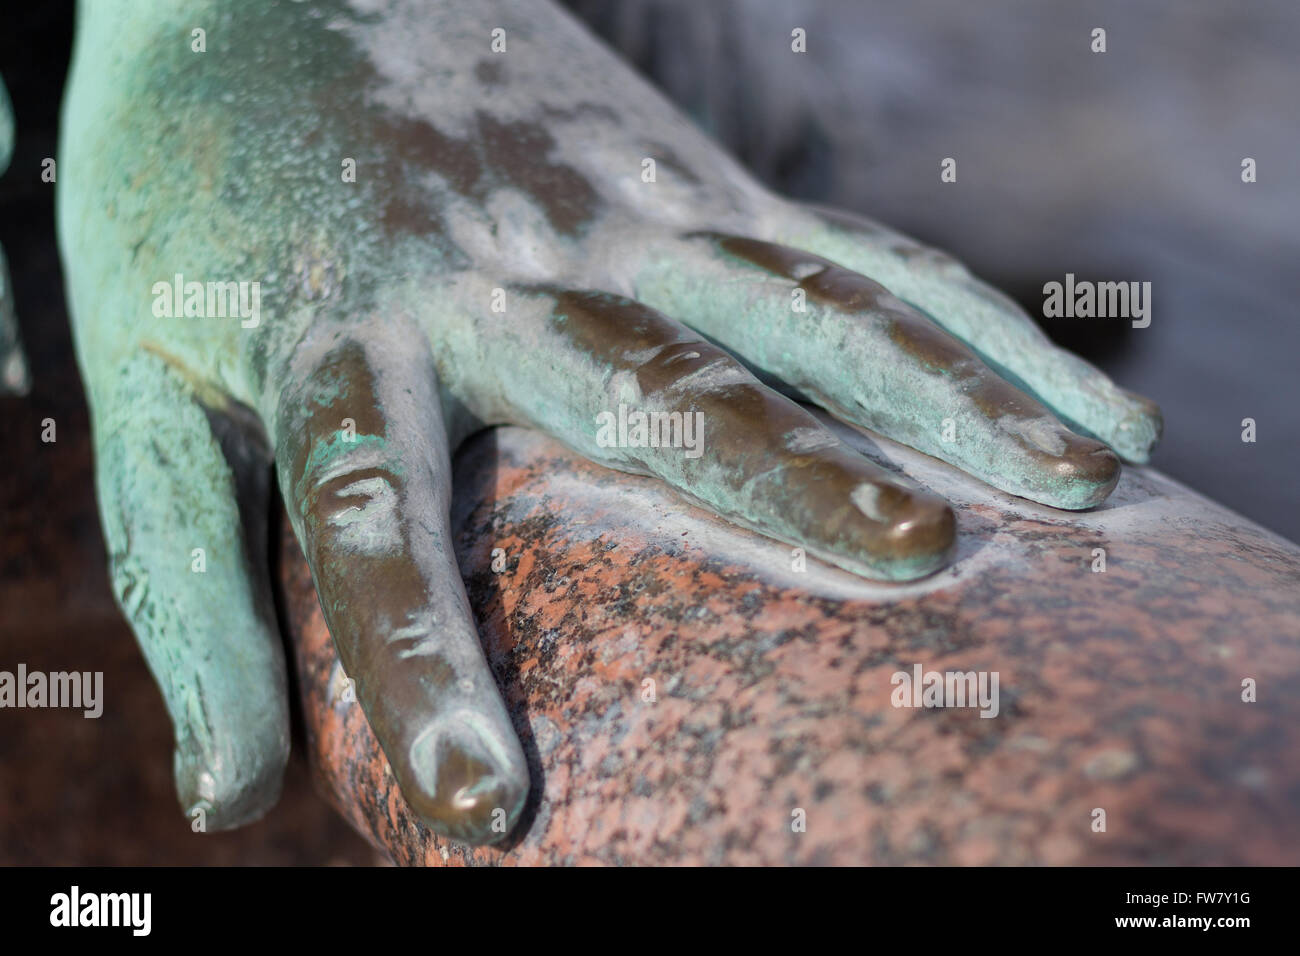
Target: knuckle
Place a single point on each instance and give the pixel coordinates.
(691, 367)
(360, 506)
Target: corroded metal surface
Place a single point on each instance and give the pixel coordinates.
(1120, 690)
(347, 259)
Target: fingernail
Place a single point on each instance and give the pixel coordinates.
(471, 782)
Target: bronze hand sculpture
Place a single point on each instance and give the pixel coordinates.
(339, 237)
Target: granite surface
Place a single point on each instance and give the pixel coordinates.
(685, 694)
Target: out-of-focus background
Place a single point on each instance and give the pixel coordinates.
(1123, 165)
(1117, 166)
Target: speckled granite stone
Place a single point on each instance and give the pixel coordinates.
(1119, 690)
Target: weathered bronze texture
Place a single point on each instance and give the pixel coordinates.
(434, 228)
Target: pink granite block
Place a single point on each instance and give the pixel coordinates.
(1118, 690)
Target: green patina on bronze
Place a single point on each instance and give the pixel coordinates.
(376, 299)
(887, 366)
(990, 323)
(13, 365)
(760, 484)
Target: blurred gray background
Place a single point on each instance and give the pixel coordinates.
(1124, 165)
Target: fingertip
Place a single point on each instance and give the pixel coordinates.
(902, 534)
(469, 781)
(1083, 476)
(228, 793)
(1139, 431)
(924, 532)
